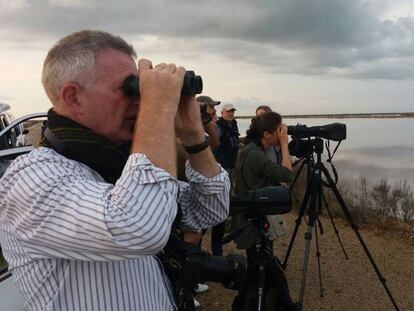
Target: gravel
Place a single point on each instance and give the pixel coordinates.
(347, 284)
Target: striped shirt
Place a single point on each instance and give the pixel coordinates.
(75, 242)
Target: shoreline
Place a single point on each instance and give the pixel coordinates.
(392, 115)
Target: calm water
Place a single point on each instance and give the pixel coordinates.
(374, 147)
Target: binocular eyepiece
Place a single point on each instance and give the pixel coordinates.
(192, 85)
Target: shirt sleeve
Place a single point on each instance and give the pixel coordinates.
(61, 210)
(204, 201)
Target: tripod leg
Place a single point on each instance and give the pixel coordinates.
(318, 250)
(261, 288)
(334, 226)
(318, 255)
(308, 238)
(356, 230)
(314, 186)
(298, 222)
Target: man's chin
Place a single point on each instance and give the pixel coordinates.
(128, 135)
(123, 137)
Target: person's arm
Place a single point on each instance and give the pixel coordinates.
(263, 165)
(204, 201)
(61, 210)
(189, 128)
(211, 130)
(160, 91)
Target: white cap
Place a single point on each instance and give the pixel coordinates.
(228, 107)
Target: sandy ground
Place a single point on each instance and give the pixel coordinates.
(348, 284)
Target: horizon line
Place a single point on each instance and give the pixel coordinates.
(344, 115)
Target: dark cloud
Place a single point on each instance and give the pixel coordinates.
(315, 37)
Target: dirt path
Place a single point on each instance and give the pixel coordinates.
(348, 284)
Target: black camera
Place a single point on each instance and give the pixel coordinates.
(192, 85)
(230, 271)
(187, 264)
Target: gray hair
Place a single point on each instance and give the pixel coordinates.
(72, 59)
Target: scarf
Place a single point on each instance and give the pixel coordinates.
(82, 144)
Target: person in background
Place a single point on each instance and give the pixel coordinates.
(210, 127)
(254, 169)
(277, 222)
(83, 216)
(228, 133)
(272, 153)
(226, 155)
(262, 109)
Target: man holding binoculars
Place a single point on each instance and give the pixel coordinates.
(83, 216)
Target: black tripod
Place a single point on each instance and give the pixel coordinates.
(315, 197)
(261, 263)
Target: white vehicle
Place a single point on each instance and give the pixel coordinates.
(9, 140)
(13, 143)
(13, 140)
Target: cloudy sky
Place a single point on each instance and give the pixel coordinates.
(313, 56)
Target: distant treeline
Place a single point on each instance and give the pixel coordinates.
(344, 115)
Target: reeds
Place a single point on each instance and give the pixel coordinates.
(375, 204)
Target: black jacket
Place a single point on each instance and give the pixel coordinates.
(226, 153)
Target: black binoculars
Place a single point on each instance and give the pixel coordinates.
(192, 85)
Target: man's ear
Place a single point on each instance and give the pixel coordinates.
(70, 93)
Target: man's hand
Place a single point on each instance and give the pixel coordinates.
(160, 87)
(188, 124)
(160, 91)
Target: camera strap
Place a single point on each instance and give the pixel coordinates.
(330, 160)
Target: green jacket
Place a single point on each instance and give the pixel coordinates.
(255, 170)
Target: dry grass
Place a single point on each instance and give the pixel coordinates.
(381, 204)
